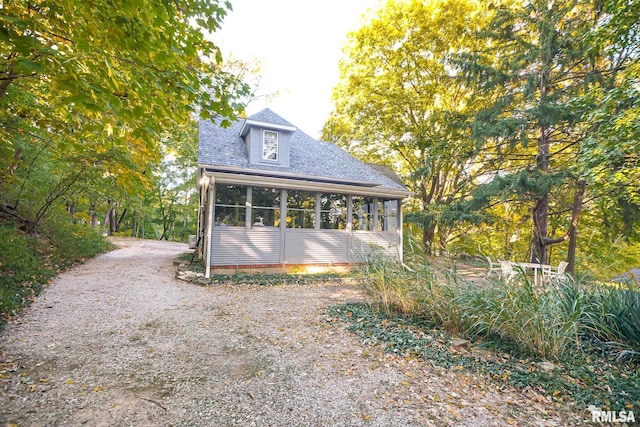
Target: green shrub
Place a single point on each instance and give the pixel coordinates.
(20, 269)
(73, 243)
(27, 262)
(536, 321)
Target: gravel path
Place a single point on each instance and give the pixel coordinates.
(119, 341)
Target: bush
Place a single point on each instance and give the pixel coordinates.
(21, 270)
(27, 262)
(73, 243)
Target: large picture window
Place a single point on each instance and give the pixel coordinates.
(362, 213)
(265, 210)
(301, 209)
(231, 205)
(270, 146)
(333, 211)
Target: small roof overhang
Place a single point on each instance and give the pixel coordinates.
(248, 123)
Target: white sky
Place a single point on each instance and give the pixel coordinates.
(299, 44)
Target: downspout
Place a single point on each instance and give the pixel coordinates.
(210, 189)
(401, 237)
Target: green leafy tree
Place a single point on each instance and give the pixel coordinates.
(541, 63)
(401, 101)
(87, 90)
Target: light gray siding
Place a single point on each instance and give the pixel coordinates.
(307, 246)
(254, 146)
(239, 246)
(232, 246)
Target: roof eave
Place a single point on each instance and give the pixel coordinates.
(284, 174)
(300, 183)
(247, 123)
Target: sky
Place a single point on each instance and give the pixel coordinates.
(299, 44)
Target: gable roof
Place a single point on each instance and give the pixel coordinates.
(310, 159)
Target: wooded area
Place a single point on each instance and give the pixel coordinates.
(515, 124)
(98, 102)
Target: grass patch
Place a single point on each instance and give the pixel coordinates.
(28, 262)
(587, 378)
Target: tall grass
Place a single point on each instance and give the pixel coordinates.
(548, 322)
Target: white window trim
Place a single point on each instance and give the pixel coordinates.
(277, 141)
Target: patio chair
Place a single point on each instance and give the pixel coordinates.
(494, 268)
(549, 272)
(507, 271)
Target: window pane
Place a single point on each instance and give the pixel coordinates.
(231, 205)
(333, 211)
(265, 217)
(230, 215)
(265, 209)
(362, 213)
(301, 209)
(233, 195)
(270, 145)
(388, 215)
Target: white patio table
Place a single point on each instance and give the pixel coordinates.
(533, 266)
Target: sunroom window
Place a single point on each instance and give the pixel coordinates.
(265, 211)
(301, 209)
(333, 211)
(362, 213)
(387, 215)
(230, 208)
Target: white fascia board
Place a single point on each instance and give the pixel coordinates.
(266, 125)
(304, 185)
(280, 174)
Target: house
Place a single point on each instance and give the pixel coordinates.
(273, 197)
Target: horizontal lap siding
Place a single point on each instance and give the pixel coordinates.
(237, 246)
(364, 243)
(306, 246)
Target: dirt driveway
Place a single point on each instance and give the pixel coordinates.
(119, 341)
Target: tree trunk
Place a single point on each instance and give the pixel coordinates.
(71, 209)
(119, 222)
(428, 234)
(573, 235)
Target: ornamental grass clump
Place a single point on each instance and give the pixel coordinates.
(537, 321)
(617, 310)
(393, 288)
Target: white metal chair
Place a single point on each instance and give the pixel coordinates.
(549, 272)
(494, 268)
(507, 271)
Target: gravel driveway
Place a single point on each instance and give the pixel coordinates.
(120, 341)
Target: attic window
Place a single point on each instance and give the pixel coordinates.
(270, 146)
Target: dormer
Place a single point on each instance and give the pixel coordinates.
(268, 139)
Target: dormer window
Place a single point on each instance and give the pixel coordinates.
(270, 146)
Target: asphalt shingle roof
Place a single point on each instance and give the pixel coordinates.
(225, 147)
